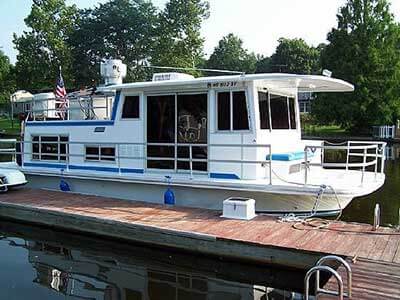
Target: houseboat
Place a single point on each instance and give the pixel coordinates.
(203, 140)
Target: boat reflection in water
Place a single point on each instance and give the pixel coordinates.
(65, 265)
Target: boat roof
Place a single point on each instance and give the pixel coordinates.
(304, 83)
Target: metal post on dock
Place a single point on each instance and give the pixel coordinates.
(377, 217)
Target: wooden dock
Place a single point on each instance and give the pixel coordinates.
(374, 255)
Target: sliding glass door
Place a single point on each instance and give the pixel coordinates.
(176, 131)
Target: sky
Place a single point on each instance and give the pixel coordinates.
(259, 23)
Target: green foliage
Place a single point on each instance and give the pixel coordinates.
(364, 50)
(119, 29)
(292, 56)
(179, 41)
(230, 55)
(7, 80)
(43, 48)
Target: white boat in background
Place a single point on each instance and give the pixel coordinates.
(207, 139)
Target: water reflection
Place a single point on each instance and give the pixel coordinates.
(58, 265)
(392, 152)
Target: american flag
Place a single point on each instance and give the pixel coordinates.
(61, 97)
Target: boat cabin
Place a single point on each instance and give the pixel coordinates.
(225, 127)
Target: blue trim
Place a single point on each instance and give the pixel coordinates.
(45, 165)
(83, 122)
(69, 123)
(93, 168)
(136, 171)
(223, 176)
(289, 156)
(115, 105)
(79, 167)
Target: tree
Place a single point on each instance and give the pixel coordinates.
(119, 29)
(230, 55)
(7, 79)
(43, 48)
(292, 56)
(179, 42)
(263, 64)
(364, 50)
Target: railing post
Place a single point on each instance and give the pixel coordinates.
(305, 165)
(382, 155)
(190, 161)
(348, 155)
(118, 158)
(67, 158)
(325, 269)
(376, 161)
(270, 165)
(363, 166)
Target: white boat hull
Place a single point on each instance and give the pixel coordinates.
(210, 197)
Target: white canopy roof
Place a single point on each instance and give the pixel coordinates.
(304, 83)
(21, 96)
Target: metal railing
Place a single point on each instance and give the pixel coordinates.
(320, 266)
(115, 160)
(372, 154)
(77, 108)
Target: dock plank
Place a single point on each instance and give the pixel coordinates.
(375, 256)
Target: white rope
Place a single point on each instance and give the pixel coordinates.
(310, 217)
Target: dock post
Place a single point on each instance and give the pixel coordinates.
(377, 217)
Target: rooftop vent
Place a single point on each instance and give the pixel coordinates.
(171, 76)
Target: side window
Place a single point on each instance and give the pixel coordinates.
(232, 111)
(292, 113)
(130, 110)
(100, 153)
(224, 111)
(50, 147)
(279, 112)
(264, 110)
(239, 114)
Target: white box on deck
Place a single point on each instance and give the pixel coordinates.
(239, 208)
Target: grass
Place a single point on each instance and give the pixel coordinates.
(324, 130)
(7, 128)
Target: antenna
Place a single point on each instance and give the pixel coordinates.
(195, 69)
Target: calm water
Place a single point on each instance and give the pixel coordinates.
(38, 263)
(388, 196)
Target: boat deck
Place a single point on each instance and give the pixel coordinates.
(263, 239)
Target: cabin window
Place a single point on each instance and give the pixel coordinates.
(232, 111)
(292, 113)
(263, 104)
(130, 110)
(224, 111)
(100, 153)
(50, 147)
(279, 112)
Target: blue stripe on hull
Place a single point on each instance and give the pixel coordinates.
(80, 167)
(223, 176)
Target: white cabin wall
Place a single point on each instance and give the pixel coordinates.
(123, 131)
(241, 170)
(281, 140)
